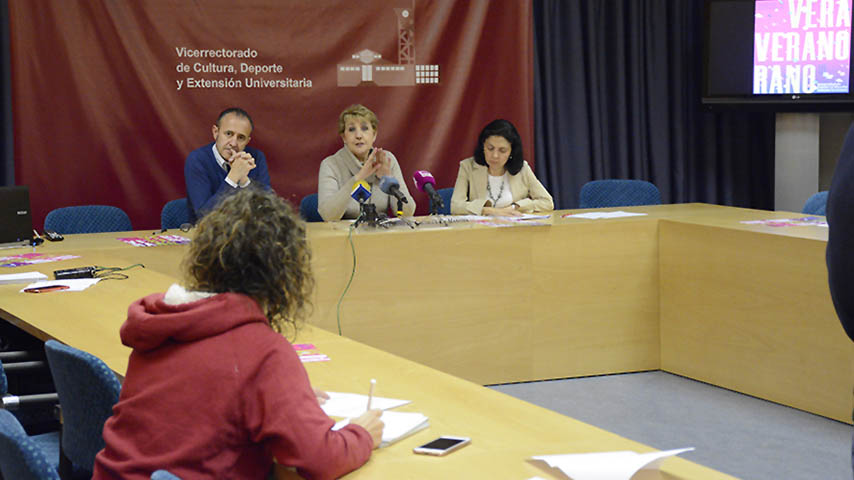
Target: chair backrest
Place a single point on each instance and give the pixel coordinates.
(308, 208)
(87, 390)
(164, 475)
(175, 213)
(618, 193)
(816, 204)
(4, 382)
(87, 219)
(446, 194)
(20, 456)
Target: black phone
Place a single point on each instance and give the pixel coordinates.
(53, 236)
(442, 445)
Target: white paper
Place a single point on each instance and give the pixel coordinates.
(529, 216)
(598, 215)
(73, 284)
(607, 465)
(398, 425)
(353, 404)
(452, 218)
(23, 277)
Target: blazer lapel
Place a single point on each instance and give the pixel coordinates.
(517, 187)
(478, 181)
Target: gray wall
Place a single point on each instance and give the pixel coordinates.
(806, 150)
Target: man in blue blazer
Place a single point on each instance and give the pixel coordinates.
(226, 164)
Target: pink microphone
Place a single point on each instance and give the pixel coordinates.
(425, 182)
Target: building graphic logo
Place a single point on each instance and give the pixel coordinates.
(367, 67)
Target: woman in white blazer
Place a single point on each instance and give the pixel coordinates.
(497, 180)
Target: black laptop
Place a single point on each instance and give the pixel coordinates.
(16, 223)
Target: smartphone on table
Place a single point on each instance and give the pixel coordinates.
(442, 445)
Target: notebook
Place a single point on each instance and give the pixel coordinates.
(398, 425)
(16, 222)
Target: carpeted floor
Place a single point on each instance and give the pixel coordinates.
(737, 434)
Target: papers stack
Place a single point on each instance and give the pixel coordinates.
(23, 277)
(352, 404)
(73, 284)
(598, 215)
(398, 425)
(607, 465)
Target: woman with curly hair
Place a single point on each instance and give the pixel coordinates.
(213, 389)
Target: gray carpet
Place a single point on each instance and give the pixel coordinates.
(736, 434)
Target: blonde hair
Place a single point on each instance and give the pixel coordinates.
(359, 111)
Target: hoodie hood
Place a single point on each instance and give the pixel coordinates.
(183, 316)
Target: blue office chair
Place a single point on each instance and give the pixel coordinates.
(29, 409)
(816, 204)
(87, 219)
(446, 194)
(21, 456)
(308, 208)
(164, 475)
(174, 214)
(36, 411)
(618, 193)
(87, 390)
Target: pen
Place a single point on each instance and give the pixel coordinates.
(371, 393)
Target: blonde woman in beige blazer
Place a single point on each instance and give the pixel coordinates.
(498, 180)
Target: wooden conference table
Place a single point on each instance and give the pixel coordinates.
(505, 431)
(685, 288)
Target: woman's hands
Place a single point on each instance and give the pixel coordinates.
(320, 395)
(376, 163)
(508, 211)
(371, 422)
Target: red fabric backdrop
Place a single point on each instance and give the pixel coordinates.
(98, 117)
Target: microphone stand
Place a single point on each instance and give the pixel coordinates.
(399, 216)
(367, 215)
(434, 206)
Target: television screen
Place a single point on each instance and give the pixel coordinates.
(780, 54)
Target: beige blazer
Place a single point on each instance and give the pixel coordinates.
(470, 190)
(335, 183)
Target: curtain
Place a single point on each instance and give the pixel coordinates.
(7, 172)
(617, 87)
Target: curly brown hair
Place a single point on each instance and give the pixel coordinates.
(254, 243)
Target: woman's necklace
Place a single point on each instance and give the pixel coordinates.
(489, 191)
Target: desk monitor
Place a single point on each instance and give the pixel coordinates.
(16, 223)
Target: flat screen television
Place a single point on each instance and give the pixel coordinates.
(782, 55)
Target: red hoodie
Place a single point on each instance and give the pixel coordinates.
(212, 391)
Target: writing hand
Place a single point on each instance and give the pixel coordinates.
(371, 422)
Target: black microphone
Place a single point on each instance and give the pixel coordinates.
(390, 186)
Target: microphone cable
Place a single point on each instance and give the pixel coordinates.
(112, 273)
(352, 274)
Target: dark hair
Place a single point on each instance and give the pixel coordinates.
(501, 128)
(237, 111)
(254, 243)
